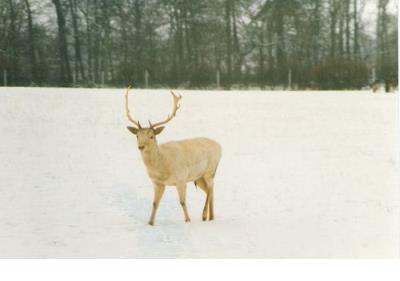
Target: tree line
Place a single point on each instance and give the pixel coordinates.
(325, 44)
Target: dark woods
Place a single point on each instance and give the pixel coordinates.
(321, 44)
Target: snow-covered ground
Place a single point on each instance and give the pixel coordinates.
(302, 175)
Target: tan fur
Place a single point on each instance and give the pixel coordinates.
(177, 162)
(182, 161)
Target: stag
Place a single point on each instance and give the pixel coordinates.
(176, 163)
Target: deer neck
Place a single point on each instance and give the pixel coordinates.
(155, 164)
(152, 157)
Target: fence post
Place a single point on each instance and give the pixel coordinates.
(218, 78)
(373, 75)
(146, 78)
(5, 77)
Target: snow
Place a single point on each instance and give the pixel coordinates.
(303, 175)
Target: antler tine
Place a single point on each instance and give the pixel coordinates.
(175, 107)
(176, 99)
(127, 109)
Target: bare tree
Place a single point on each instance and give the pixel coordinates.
(66, 75)
(79, 67)
(195, 43)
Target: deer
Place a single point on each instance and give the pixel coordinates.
(176, 163)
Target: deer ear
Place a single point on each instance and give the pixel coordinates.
(158, 130)
(133, 130)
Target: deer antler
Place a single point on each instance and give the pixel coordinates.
(127, 110)
(175, 107)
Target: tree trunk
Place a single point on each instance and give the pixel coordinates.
(261, 58)
(97, 43)
(271, 61)
(333, 21)
(189, 51)
(280, 46)
(78, 57)
(89, 42)
(66, 76)
(341, 29)
(348, 34)
(138, 42)
(381, 35)
(32, 55)
(13, 75)
(236, 46)
(192, 34)
(356, 47)
(316, 31)
(228, 15)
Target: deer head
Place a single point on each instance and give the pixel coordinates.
(146, 137)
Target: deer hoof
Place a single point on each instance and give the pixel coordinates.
(187, 220)
(151, 223)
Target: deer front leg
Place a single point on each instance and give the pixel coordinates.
(182, 199)
(158, 193)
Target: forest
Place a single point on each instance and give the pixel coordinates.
(290, 44)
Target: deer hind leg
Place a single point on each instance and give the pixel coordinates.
(182, 200)
(158, 193)
(209, 179)
(202, 184)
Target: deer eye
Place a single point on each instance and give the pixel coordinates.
(152, 137)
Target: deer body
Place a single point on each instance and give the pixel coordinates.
(177, 163)
(182, 161)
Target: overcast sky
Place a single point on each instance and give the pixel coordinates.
(370, 13)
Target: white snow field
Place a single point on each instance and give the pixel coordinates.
(302, 175)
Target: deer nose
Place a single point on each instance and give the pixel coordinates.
(141, 147)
